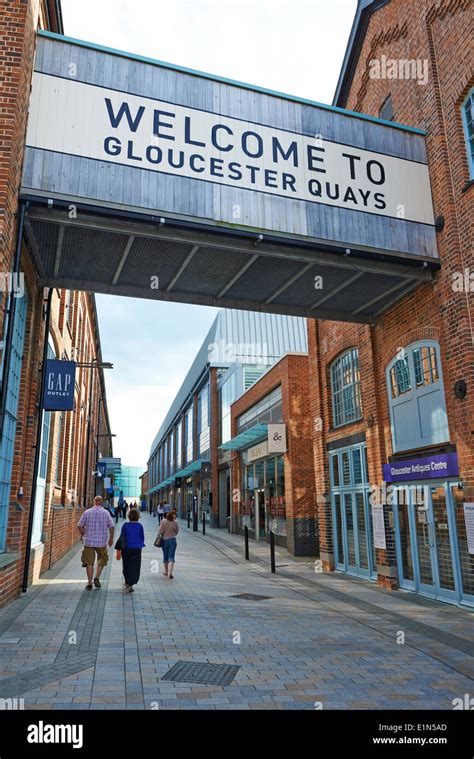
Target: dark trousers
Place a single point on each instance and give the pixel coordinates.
(131, 562)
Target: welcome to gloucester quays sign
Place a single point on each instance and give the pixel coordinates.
(75, 118)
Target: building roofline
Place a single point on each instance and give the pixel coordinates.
(363, 14)
(233, 82)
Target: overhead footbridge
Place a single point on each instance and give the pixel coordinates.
(150, 180)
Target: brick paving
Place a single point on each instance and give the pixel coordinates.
(318, 640)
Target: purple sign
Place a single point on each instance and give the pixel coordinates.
(441, 465)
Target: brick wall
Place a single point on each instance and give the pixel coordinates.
(291, 372)
(437, 32)
(18, 23)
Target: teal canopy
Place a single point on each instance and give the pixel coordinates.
(246, 439)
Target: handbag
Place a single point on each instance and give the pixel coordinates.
(158, 541)
(120, 544)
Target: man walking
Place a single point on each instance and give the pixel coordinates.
(94, 525)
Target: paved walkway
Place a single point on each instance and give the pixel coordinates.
(316, 640)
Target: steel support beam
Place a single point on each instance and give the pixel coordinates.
(183, 266)
(338, 289)
(59, 250)
(290, 282)
(270, 248)
(122, 261)
(380, 296)
(237, 276)
(132, 291)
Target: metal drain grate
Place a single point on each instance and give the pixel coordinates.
(251, 597)
(203, 673)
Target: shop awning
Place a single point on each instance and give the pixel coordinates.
(245, 439)
(195, 466)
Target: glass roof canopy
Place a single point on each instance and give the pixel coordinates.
(245, 439)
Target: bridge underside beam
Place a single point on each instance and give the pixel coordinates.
(159, 259)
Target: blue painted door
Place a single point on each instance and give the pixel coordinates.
(426, 542)
(352, 524)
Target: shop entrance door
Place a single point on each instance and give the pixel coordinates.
(426, 542)
(354, 549)
(353, 544)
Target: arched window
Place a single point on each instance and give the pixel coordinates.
(345, 385)
(416, 397)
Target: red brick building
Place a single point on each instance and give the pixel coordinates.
(71, 441)
(402, 390)
(273, 487)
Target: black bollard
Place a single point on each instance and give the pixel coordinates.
(246, 534)
(272, 552)
(195, 520)
(203, 522)
(189, 519)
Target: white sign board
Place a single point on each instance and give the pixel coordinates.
(378, 526)
(79, 119)
(276, 438)
(469, 522)
(257, 451)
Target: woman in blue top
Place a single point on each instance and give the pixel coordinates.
(133, 540)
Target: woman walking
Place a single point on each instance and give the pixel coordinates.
(168, 530)
(160, 513)
(133, 540)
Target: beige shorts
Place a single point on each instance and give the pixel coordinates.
(89, 553)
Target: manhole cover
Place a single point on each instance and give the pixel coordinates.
(251, 597)
(203, 673)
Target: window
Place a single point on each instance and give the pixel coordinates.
(203, 431)
(468, 121)
(178, 446)
(252, 374)
(171, 452)
(59, 449)
(386, 110)
(68, 307)
(416, 398)
(227, 395)
(400, 377)
(188, 435)
(346, 392)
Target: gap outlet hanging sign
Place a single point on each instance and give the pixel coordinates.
(75, 118)
(59, 385)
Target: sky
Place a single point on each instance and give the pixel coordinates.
(293, 47)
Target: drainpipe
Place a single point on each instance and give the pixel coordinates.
(39, 430)
(10, 315)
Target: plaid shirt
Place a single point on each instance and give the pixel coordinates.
(96, 523)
